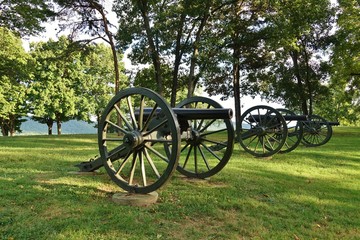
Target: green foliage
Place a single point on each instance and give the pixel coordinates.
(165, 35)
(298, 35)
(345, 78)
(14, 75)
(97, 83)
(145, 78)
(71, 81)
(55, 77)
(25, 16)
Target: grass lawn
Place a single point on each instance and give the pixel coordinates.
(310, 193)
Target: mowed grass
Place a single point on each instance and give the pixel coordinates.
(310, 193)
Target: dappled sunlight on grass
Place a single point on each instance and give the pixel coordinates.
(316, 200)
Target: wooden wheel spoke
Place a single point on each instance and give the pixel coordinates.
(212, 152)
(204, 158)
(257, 143)
(187, 144)
(128, 125)
(116, 126)
(141, 112)
(149, 118)
(195, 160)
(269, 142)
(187, 157)
(157, 153)
(213, 132)
(142, 166)
(131, 110)
(133, 167)
(150, 161)
(207, 125)
(155, 128)
(123, 164)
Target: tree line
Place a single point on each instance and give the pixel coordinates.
(54, 82)
(301, 53)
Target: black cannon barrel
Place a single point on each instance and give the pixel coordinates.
(196, 113)
(295, 117)
(323, 123)
(256, 118)
(334, 123)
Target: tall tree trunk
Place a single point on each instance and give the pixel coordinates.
(143, 4)
(50, 123)
(110, 41)
(178, 56)
(308, 81)
(2, 127)
(58, 124)
(12, 125)
(302, 94)
(192, 81)
(236, 85)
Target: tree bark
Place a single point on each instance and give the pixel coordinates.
(192, 80)
(58, 124)
(50, 124)
(110, 40)
(302, 94)
(236, 85)
(178, 56)
(143, 4)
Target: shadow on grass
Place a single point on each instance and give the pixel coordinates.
(309, 193)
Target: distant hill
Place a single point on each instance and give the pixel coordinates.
(31, 127)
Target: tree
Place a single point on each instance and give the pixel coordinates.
(71, 81)
(24, 16)
(96, 87)
(231, 50)
(90, 18)
(166, 34)
(344, 101)
(53, 95)
(135, 20)
(299, 34)
(13, 81)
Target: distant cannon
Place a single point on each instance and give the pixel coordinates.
(265, 131)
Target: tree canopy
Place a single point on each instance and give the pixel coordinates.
(25, 17)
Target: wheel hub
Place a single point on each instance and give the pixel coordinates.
(261, 131)
(195, 138)
(133, 139)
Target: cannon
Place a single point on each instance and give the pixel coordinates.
(142, 141)
(265, 131)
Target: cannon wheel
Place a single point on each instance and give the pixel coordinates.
(317, 131)
(263, 131)
(207, 145)
(131, 143)
(295, 132)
